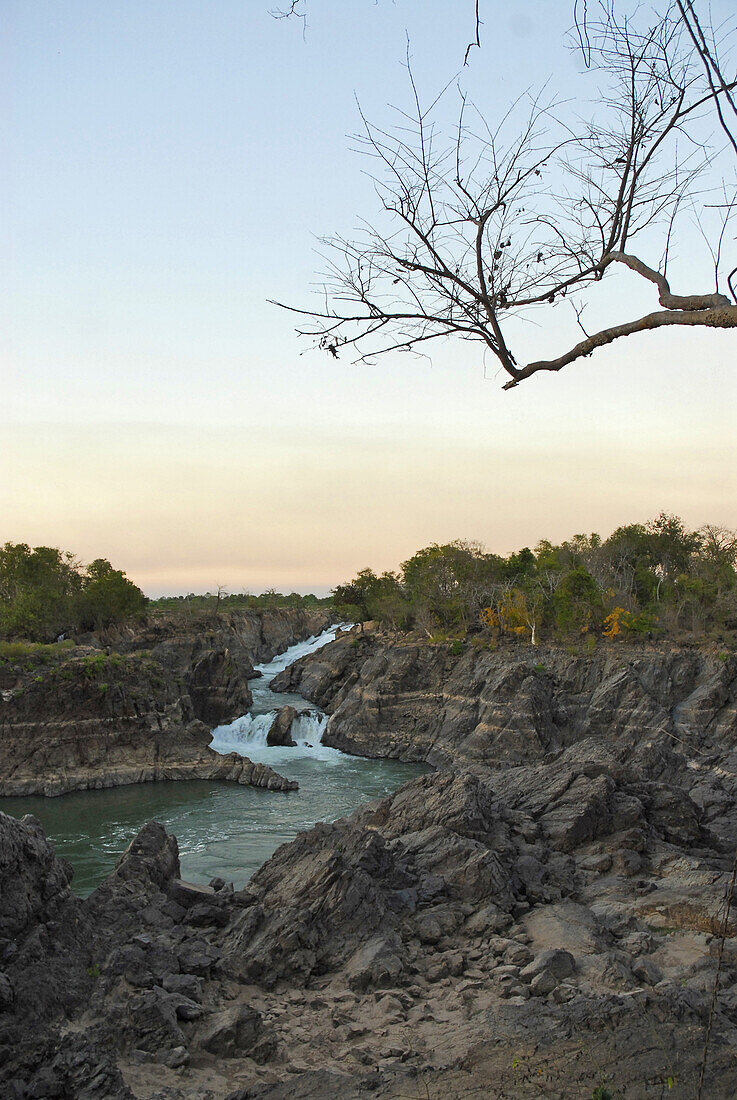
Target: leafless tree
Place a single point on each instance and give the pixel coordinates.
(500, 222)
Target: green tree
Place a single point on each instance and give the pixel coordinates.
(578, 606)
(39, 591)
(109, 596)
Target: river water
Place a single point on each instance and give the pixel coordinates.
(223, 829)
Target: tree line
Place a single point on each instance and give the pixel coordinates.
(46, 592)
(646, 580)
(220, 601)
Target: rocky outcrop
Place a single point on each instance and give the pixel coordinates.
(90, 718)
(415, 701)
(280, 731)
(545, 911)
(98, 721)
(556, 917)
(249, 636)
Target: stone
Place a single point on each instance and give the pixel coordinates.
(204, 915)
(455, 962)
(646, 971)
(7, 993)
(518, 955)
(543, 983)
(187, 894)
(561, 964)
(198, 958)
(379, 963)
(428, 929)
(186, 984)
(280, 730)
(626, 861)
(600, 863)
(235, 1033)
(152, 1020)
(176, 1058)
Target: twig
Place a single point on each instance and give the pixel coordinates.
(712, 1007)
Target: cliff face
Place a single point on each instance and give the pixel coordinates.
(91, 718)
(250, 636)
(544, 911)
(420, 702)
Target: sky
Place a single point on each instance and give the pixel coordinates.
(170, 167)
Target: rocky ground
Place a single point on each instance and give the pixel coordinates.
(539, 926)
(138, 704)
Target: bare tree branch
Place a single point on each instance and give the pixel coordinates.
(503, 220)
(477, 39)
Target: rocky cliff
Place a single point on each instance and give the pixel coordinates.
(141, 708)
(544, 915)
(415, 701)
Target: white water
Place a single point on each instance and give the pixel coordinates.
(247, 734)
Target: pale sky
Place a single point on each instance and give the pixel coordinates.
(169, 167)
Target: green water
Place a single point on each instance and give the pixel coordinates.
(223, 829)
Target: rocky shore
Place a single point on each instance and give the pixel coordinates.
(137, 705)
(540, 916)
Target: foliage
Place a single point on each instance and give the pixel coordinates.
(109, 596)
(221, 601)
(33, 652)
(646, 580)
(45, 593)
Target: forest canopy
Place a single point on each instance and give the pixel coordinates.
(647, 580)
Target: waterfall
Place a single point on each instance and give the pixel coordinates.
(250, 732)
(247, 734)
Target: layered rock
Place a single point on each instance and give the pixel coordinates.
(249, 636)
(415, 701)
(91, 719)
(545, 911)
(101, 721)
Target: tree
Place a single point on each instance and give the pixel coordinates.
(504, 221)
(577, 602)
(45, 592)
(109, 596)
(449, 585)
(356, 599)
(39, 589)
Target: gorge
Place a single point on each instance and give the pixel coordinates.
(541, 914)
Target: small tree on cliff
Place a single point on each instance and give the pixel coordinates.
(500, 222)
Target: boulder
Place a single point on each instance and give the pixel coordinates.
(152, 1021)
(238, 1033)
(280, 731)
(379, 963)
(559, 964)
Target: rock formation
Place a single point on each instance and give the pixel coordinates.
(91, 718)
(280, 732)
(516, 705)
(541, 916)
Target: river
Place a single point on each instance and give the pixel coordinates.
(223, 829)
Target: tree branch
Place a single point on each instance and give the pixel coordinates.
(667, 299)
(722, 316)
